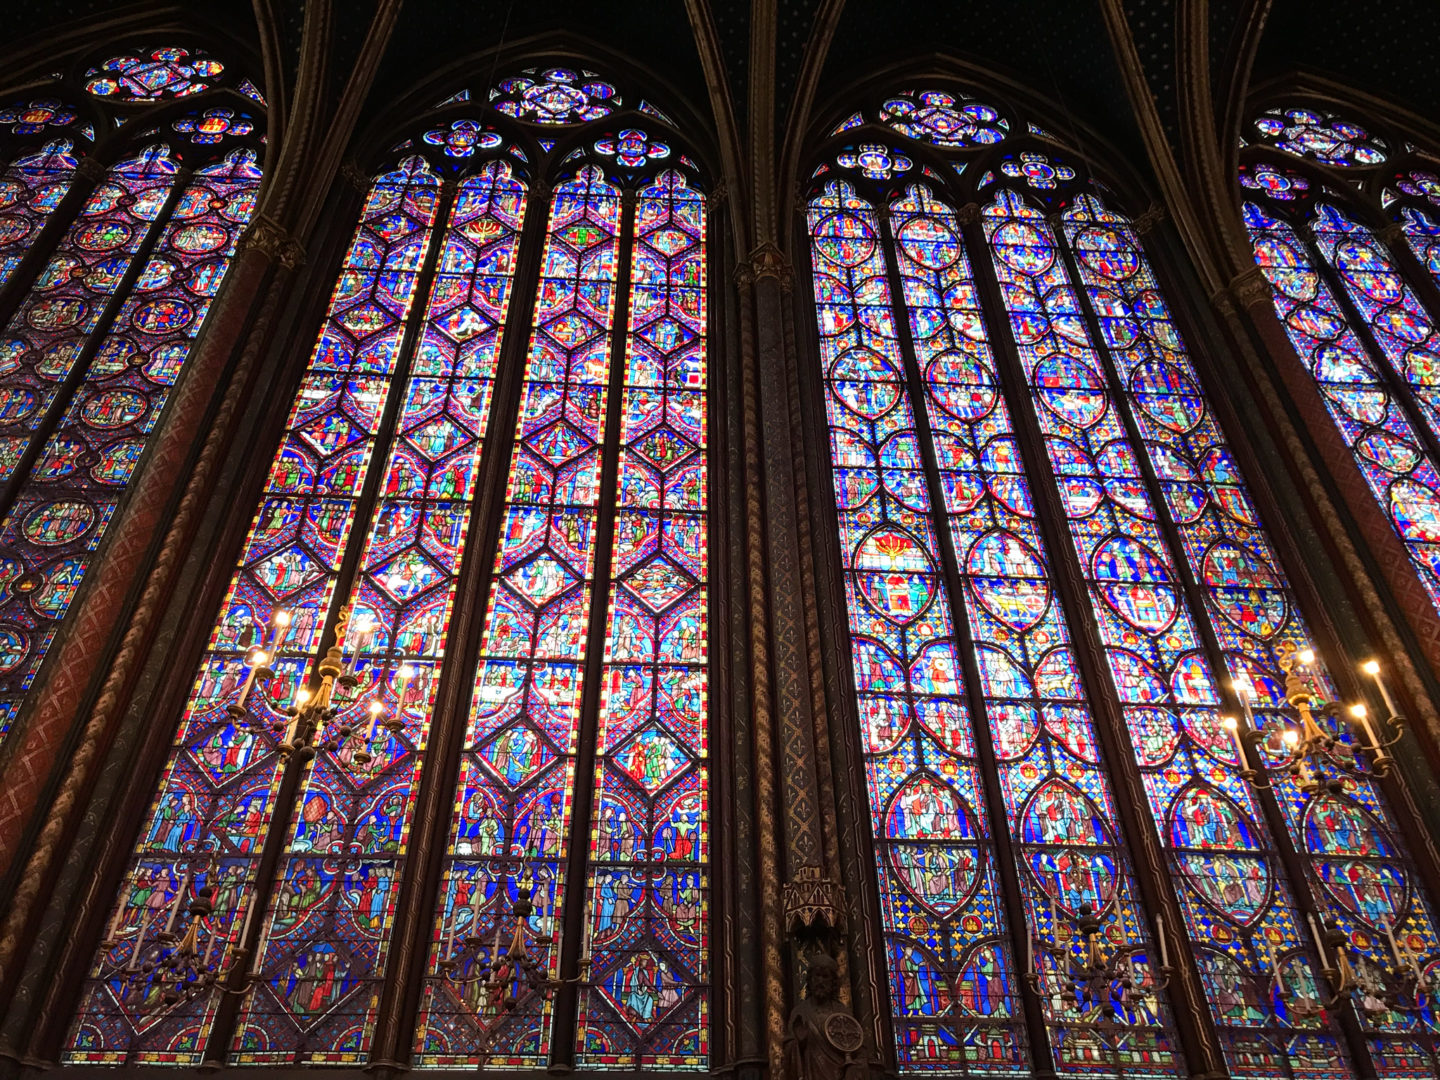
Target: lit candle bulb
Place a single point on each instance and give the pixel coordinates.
(1230, 724)
(1362, 718)
(1307, 656)
(1291, 738)
(179, 900)
(1372, 668)
(257, 660)
(375, 711)
(282, 628)
(406, 673)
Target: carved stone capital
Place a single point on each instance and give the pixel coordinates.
(768, 260)
(1144, 223)
(1249, 287)
(90, 169)
(266, 234)
(968, 214)
(355, 176)
(812, 902)
(719, 194)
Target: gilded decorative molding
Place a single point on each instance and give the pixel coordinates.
(812, 902)
(266, 235)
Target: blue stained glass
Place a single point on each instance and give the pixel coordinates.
(952, 973)
(1052, 773)
(1205, 814)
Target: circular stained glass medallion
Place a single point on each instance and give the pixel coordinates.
(844, 238)
(114, 408)
(58, 522)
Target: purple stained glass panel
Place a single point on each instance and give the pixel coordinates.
(327, 938)
(649, 886)
(1386, 447)
(1240, 916)
(513, 807)
(953, 978)
(217, 793)
(30, 188)
(84, 468)
(1057, 795)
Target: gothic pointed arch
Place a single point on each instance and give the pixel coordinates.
(1005, 387)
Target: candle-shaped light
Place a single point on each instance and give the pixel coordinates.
(454, 912)
(1242, 693)
(1319, 941)
(1361, 716)
(1162, 940)
(112, 933)
(1372, 668)
(1230, 724)
(134, 963)
(179, 902)
(257, 660)
(302, 695)
(376, 709)
(283, 621)
(406, 673)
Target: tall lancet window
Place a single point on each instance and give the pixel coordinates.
(1354, 275)
(1065, 617)
(490, 500)
(106, 275)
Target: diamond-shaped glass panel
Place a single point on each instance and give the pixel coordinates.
(330, 433)
(438, 438)
(667, 334)
(464, 323)
(541, 580)
(285, 571)
(366, 319)
(572, 329)
(652, 759)
(408, 575)
(658, 584)
(582, 235)
(559, 443)
(664, 447)
(669, 240)
(517, 754)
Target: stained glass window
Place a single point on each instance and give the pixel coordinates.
(93, 348)
(574, 758)
(1355, 320)
(1011, 406)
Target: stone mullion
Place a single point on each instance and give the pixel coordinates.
(1002, 831)
(430, 823)
(1189, 1008)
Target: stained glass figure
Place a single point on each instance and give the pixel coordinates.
(328, 933)
(154, 74)
(648, 890)
(874, 160)
(1058, 799)
(953, 976)
(218, 790)
(514, 804)
(1320, 136)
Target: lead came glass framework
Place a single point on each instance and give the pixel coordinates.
(369, 509)
(1185, 595)
(99, 338)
